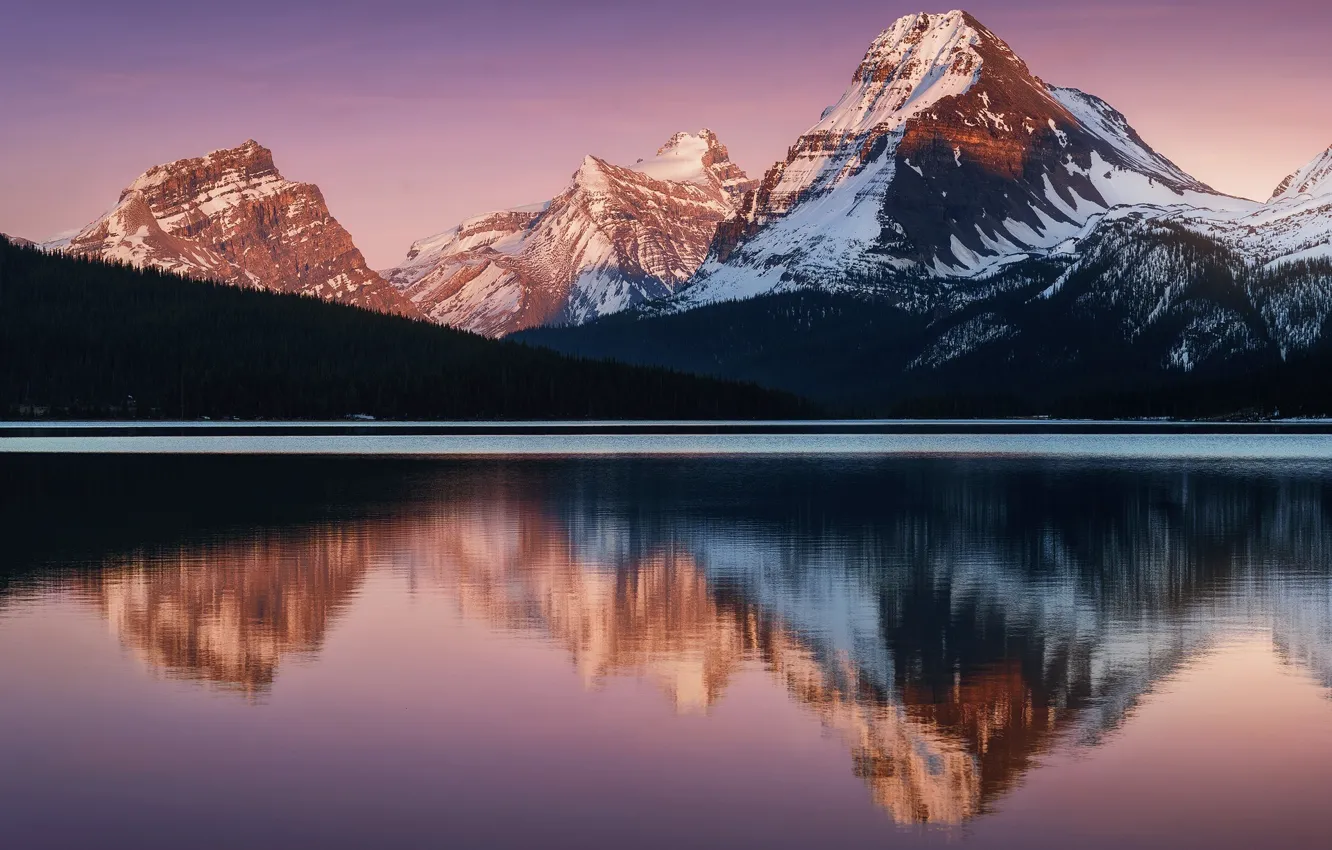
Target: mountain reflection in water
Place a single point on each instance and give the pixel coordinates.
(948, 621)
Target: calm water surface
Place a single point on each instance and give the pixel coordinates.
(1021, 652)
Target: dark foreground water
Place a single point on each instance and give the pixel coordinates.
(1017, 652)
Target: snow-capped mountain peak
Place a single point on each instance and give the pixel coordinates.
(944, 157)
(1313, 179)
(1006, 227)
(591, 175)
(614, 237)
(698, 158)
(911, 66)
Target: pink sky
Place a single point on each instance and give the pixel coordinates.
(413, 115)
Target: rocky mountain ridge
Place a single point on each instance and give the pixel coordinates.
(232, 217)
(617, 236)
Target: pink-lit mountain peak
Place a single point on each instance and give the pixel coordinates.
(230, 216)
(616, 236)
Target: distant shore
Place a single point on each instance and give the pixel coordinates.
(906, 427)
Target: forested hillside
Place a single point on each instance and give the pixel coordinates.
(82, 338)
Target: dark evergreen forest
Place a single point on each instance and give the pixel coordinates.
(86, 339)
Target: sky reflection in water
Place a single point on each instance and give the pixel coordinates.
(773, 652)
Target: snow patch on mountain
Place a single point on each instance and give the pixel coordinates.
(131, 234)
(1288, 229)
(1108, 124)
(825, 234)
(1120, 186)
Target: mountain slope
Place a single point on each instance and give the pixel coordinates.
(1284, 231)
(1148, 318)
(80, 338)
(617, 236)
(945, 157)
(231, 217)
(1314, 179)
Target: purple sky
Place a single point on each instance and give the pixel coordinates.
(412, 115)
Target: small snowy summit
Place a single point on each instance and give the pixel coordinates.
(230, 216)
(617, 236)
(697, 158)
(1314, 179)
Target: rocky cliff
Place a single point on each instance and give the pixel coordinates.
(230, 216)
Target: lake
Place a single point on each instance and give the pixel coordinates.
(1077, 642)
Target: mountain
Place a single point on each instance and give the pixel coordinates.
(954, 235)
(83, 338)
(944, 157)
(1315, 179)
(1148, 318)
(231, 217)
(17, 240)
(616, 237)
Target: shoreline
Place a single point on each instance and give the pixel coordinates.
(1304, 442)
(13, 430)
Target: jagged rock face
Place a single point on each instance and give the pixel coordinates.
(614, 238)
(944, 157)
(130, 233)
(231, 217)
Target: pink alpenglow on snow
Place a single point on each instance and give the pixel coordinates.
(615, 237)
